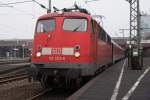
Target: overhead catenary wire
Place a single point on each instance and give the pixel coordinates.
(19, 2)
(13, 5)
(19, 10)
(22, 11)
(5, 6)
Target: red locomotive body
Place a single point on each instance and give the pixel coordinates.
(70, 46)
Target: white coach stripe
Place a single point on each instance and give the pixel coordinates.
(135, 85)
(115, 93)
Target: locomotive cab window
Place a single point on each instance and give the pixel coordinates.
(47, 25)
(75, 24)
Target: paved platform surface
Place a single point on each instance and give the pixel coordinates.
(118, 83)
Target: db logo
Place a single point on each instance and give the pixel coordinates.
(56, 51)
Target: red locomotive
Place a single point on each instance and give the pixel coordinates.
(69, 45)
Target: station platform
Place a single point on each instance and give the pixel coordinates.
(118, 82)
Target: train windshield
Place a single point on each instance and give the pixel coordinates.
(73, 24)
(47, 25)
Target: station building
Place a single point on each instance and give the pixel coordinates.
(17, 48)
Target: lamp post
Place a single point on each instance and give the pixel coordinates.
(23, 54)
(15, 52)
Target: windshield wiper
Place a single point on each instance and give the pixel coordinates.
(76, 28)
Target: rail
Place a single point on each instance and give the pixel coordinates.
(40, 94)
(44, 92)
(15, 69)
(7, 79)
(13, 61)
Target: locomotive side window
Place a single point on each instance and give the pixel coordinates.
(109, 39)
(98, 30)
(92, 26)
(73, 24)
(47, 25)
(102, 34)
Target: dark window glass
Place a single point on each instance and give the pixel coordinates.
(47, 25)
(92, 26)
(72, 24)
(102, 34)
(109, 40)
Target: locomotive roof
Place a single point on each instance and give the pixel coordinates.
(66, 14)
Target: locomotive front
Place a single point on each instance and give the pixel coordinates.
(62, 49)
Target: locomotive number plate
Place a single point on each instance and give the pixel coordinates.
(57, 58)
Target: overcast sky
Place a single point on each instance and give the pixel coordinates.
(18, 20)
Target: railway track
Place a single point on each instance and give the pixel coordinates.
(50, 94)
(9, 61)
(40, 94)
(14, 69)
(14, 72)
(6, 79)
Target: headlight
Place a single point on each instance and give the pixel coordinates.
(38, 54)
(77, 54)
